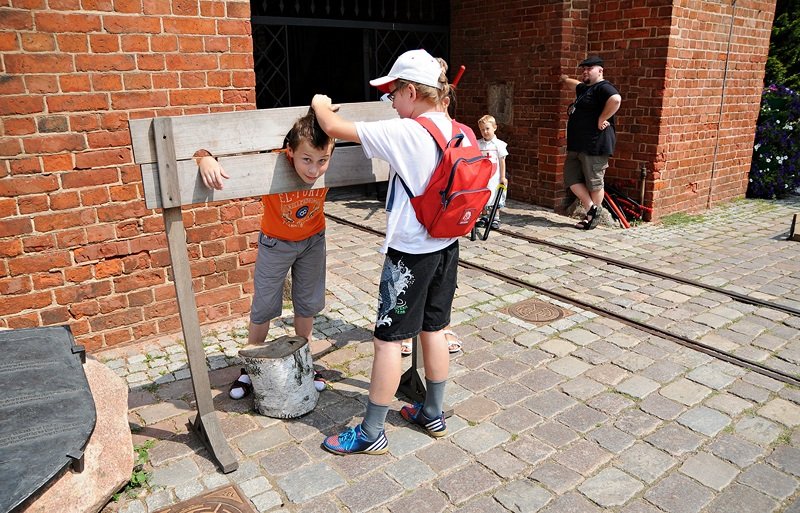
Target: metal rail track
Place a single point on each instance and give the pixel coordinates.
(742, 298)
(678, 339)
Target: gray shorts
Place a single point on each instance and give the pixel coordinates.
(586, 169)
(305, 259)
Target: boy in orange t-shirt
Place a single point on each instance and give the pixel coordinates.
(292, 238)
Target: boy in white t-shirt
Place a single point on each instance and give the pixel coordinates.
(419, 275)
(496, 150)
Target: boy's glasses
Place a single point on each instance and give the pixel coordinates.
(389, 97)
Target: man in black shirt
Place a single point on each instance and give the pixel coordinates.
(590, 137)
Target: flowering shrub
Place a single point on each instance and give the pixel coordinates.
(775, 169)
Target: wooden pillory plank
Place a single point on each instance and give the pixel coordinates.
(163, 147)
(243, 142)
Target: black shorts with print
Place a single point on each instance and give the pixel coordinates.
(416, 292)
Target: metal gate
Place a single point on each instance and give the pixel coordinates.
(336, 46)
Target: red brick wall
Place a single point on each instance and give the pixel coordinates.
(705, 156)
(521, 49)
(77, 245)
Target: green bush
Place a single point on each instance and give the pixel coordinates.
(775, 168)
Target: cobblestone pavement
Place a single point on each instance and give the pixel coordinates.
(583, 414)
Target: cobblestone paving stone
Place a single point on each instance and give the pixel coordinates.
(582, 414)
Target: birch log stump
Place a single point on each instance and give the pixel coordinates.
(283, 377)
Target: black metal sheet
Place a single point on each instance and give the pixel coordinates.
(47, 412)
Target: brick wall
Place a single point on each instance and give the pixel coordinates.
(77, 245)
(709, 113)
(521, 52)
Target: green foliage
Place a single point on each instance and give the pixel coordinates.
(139, 477)
(775, 167)
(142, 454)
(783, 63)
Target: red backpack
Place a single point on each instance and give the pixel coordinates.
(456, 193)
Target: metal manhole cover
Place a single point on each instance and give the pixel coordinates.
(533, 310)
(227, 499)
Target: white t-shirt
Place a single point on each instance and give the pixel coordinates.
(495, 150)
(413, 154)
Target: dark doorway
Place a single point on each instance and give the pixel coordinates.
(306, 47)
(326, 60)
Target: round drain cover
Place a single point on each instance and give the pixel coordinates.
(533, 310)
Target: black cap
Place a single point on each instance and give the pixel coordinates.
(593, 60)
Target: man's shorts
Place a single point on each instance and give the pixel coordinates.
(306, 260)
(416, 293)
(586, 169)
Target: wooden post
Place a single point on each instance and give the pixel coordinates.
(206, 424)
(793, 233)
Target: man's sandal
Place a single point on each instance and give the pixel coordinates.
(242, 387)
(590, 220)
(454, 344)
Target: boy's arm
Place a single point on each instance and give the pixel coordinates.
(503, 179)
(333, 124)
(210, 170)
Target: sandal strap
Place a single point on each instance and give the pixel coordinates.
(241, 384)
(244, 385)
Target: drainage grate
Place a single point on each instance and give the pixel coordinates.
(222, 500)
(533, 310)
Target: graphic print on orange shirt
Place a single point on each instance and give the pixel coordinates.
(294, 216)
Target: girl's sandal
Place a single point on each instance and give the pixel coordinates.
(320, 383)
(405, 348)
(454, 345)
(242, 387)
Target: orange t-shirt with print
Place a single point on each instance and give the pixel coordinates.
(295, 215)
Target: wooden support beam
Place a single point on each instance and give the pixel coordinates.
(169, 178)
(794, 232)
(206, 424)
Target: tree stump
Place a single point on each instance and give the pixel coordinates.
(282, 373)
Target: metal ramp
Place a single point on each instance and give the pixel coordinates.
(47, 410)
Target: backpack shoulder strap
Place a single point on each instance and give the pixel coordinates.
(390, 203)
(467, 131)
(432, 129)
